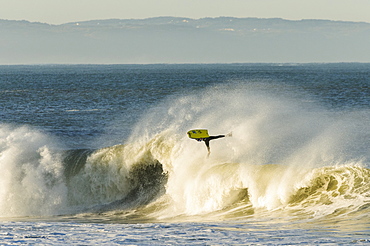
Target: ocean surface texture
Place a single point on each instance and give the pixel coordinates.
(98, 154)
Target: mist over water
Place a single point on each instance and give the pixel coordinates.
(279, 150)
(292, 158)
(277, 143)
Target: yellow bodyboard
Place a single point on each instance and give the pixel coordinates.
(198, 133)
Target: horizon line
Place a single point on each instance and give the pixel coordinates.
(179, 17)
(181, 63)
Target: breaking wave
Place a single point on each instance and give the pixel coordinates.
(285, 156)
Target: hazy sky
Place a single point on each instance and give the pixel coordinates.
(62, 11)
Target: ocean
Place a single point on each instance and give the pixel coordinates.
(98, 154)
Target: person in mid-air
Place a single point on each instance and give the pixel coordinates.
(207, 139)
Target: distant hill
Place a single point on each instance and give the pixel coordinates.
(184, 40)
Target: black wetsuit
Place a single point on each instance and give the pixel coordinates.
(206, 140)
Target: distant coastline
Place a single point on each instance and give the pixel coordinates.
(184, 40)
(169, 18)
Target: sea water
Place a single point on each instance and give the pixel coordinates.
(98, 154)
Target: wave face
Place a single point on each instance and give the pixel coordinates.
(40, 179)
(285, 156)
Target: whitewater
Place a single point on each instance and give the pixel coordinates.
(295, 171)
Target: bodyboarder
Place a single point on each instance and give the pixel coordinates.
(208, 139)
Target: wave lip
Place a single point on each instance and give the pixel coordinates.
(107, 179)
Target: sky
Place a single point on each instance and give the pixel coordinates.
(64, 11)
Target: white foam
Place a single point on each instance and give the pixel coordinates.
(32, 181)
(267, 129)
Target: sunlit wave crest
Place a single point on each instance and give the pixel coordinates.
(283, 157)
